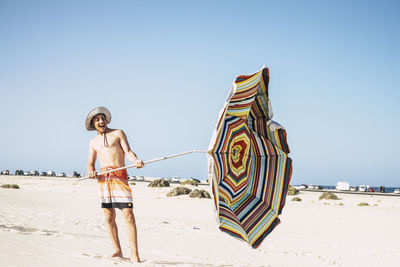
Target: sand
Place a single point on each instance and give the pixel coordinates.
(58, 222)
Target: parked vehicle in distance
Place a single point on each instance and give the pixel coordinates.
(19, 172)
(61, 174)
(396, 191)
(362, 188)
(196, 180)
(34, 173)
(371, 190)
(132, 178)
(5, 172)
(303, 186)
(75, 174)
(26, 173)
(51, 173)
(354, 188)
(175, 179)
(311, 187)
(382, 189)
(140, 178)
(43, 174)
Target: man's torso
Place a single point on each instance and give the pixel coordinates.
(109, 150)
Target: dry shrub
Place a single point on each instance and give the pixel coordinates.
(12, 186)
(159, 183)
(296, 199)
(328, 195)
(190, 182)
(178, 191)
(363, 204)
(199, 194)
(292, 191)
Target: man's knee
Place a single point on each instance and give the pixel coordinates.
(128, 214)
(110, 216)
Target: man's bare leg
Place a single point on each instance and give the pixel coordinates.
(132, 233)
(113, 231)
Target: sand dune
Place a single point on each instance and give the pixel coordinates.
(58, 222)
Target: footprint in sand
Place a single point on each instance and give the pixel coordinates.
(19, 229)
(48, 232)
(95, 256)
(115, 260)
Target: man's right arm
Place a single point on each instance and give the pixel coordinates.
(92, 161)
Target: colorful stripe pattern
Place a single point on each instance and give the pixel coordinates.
(114, 188)
(248, 162)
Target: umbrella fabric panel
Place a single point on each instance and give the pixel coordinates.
(258, 218)
(264, 126)
(258, 225)
(276, 134)
(261, 81)
(262, 189)
(229, 223)
(270, 169)
(232, 154)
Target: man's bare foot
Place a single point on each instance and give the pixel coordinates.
(116, 254)
(135, 259)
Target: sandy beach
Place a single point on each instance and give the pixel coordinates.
(58, 222)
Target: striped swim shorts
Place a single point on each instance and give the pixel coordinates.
(114, 189)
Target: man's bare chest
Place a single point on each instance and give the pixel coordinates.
(102, 143)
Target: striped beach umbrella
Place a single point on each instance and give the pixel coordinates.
(248, 162)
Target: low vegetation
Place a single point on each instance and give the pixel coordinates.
(296, 199)
(190, 182)
(328, 195)
(363, 204)
(292, 191)
(199, 194)
(178, 191)
(159, 183)
(12, 186)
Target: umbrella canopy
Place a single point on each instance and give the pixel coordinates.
(248, 161)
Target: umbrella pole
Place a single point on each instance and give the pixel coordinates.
(147, 162)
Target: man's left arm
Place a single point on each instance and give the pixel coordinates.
(127, 150)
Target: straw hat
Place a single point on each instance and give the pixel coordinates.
(93, 113)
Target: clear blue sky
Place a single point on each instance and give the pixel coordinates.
(164, 68)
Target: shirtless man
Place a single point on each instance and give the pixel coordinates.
(111, 146)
